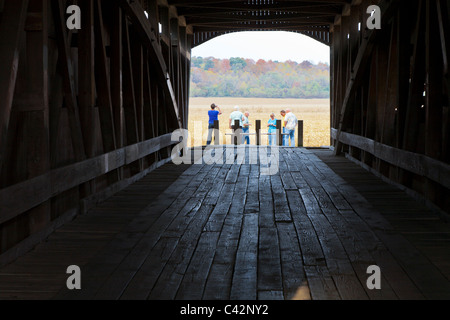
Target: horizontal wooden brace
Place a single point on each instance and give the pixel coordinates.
(44, 187)
(413, 162)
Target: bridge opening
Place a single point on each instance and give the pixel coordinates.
(262, 72)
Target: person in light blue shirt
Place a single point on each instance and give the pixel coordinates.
(272, 125)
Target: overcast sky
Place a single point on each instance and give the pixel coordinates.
(267, 45)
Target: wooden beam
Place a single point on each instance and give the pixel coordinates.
(30, 154)
(413, 162)
(403, 65)
(11, 32)
(433, 100)
(137, 62)
(68, 80)
(137, 16)
(103, 84)
(86, 72)
(116, 67)
(274, 17)
(444, 27)
(57, 181)
(359, 67)
(244, 6)
(149, 116)
(255, 11)
(175, 53)
(417, 80)
(129, 103)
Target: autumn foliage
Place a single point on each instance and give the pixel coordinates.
(237, 77)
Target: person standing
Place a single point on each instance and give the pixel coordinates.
(213, 116)
(291, 123)
(284, 138)
(246, 128)
(236, 115)
(272, 125)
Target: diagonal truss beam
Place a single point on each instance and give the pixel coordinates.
(136, 13)
(388, 9)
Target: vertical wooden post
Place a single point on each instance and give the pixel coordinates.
(415, 96)
(137, 63)
(86, 71)
(258, 132)
(444, 24)
(216, 132)
(300, 133)
(403, 66)
(35, 135)
(175, 71)
(237, 139)
(68, 80)
(443, 10)
(129, 103)
(433, 100)
(116, 63)
(11, 32)
(104, 99)
(279, 133)
(165, 45)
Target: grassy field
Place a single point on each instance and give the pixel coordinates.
(314, 113)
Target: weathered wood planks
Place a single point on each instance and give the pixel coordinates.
(218, 233)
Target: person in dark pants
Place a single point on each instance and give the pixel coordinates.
(213, 116)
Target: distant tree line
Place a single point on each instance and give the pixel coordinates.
(237, 77)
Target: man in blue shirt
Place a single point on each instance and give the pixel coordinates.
(213, 116)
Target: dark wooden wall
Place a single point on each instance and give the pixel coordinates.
(390, 94)
(83, 112)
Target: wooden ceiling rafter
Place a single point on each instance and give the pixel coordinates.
(211, 18)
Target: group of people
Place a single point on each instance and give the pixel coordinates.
(289, 123)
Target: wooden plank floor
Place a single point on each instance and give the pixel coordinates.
(228, 231)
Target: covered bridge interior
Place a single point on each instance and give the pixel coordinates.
(85, 113)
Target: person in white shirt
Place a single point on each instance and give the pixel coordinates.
(291, 123)
(246, 128)
(236, 115)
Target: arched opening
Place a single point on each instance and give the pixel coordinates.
(262, 72)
